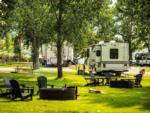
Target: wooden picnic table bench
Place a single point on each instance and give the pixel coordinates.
(24, 69)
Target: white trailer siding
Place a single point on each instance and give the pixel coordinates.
(111, 56)
(49, 52)
(122, 52)
(117, 64)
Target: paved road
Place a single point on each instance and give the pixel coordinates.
(8, 70)
(64, 69)
(135, 70)
(132, 70)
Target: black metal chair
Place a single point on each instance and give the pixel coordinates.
(42, 82)
(16, 91)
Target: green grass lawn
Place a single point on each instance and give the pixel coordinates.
(15, 64)
(115, 100)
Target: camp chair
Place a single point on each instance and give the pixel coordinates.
(138, 80)
(6, 81)
(6, 86)
(42, 82)
(17, 91)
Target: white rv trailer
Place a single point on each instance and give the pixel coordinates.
(109, 56)
(143, 59)
(49, 52)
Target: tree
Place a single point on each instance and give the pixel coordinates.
(143, 22)
(133, 23)
(101, 28)
(71, 17)
(32, 23)
(105, 22)
(56, 21)
(6, 8)
(86, 37)
(6, 48)
(126, 24)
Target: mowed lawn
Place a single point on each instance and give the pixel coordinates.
(114, 100)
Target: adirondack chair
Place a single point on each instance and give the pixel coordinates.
(6, 86)
(42, 82)
(6, 81)
(17, 91)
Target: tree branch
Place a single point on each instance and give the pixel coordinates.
(54, 10)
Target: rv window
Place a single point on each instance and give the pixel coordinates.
(98, 53)
(113, 53)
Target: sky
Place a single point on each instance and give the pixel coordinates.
(114, 1)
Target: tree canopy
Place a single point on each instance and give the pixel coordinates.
(132, 23)
(78, 22)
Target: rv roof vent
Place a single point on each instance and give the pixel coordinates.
(101, 42)
(113, 42)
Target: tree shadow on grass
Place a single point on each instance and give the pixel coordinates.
(126, 98)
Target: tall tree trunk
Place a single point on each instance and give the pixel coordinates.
(19, 54)
(148, 45)
(35, 53)
(130, 37)
(148, 49)
(130, 48)
(59, 40)
(59, 60)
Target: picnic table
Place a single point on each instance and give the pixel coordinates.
(28, 68)
(101, 80)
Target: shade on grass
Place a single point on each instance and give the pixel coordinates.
(114, 100)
